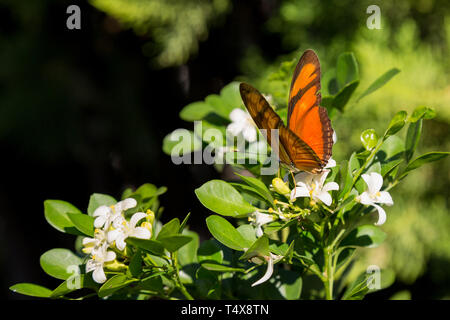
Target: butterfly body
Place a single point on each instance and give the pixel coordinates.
(307, 140)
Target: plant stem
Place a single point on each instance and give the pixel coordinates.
(178, 280)
(329, 270)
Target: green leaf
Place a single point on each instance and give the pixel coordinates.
(56, 263)
(225, 233)
(31, 289)
(152, 246)
(360, 287)
(83, 222)
(341, 99)
(188, 253)
(422, 112)
(183, 224)
(412, 138)
(70, 285)
(391, 149)
(173, 243)
(231, 95)
(196, 111)
(135, 267)
(115, 283)
(381, 81)
(169, 229)
(389, 166)
(209, 251)
(221, 268)
(396, 124)
(180, 142)
(220, 197)
(423, 159)
(290, 284)
(259, 248)
(369, 139)
(56, 215)
(247, 232)
(364, 236)
(346, 69)
(221, 107)
(259, 186)
(97, 199)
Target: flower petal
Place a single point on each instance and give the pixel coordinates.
(365, 198)
(330, 164)
(90, 265)
(298, 192)
(385, 198)
(99, 275)
(120, 242)
(330, 186)
(249, 133)
(113, 235)
(258, 231)
(303, 177)
(325, 197)
(100, 221)
(136, 217)
(374, 182)
(381, 215)
(238, 115)
(235, 128)
(110, 256)
(102, 211)
(268, 273)
(141, 233)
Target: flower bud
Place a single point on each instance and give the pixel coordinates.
(280, 186)
(150, 216)
(115, 265)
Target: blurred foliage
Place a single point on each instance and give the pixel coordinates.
(175, 27)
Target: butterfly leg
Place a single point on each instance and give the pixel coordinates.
(293, 179)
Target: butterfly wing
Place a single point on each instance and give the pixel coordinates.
(308, 120)
(263, 115)
(290, 146)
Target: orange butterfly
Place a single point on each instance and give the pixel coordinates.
(306, 142)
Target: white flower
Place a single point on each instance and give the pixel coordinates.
(271, 260)
(242, 123)
(105, 215)
(330, 164)
(90, 244)
(258, 219)
(373, 195)
(99, 257)
(124, 229)
(311, 185)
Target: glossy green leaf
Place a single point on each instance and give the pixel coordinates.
(225, 233)
(369, 139)
(56, 215)
(210, 251)
(221, 107)
(97, 199)
(259, 248)
(31, 289)
(364, 283)
(169, 229)
(152, 246)
(196, 111)
(258, 185)
(59, 263)
(423, 159)
(346, 69)
(175, 242)
(114, 284)
(364, 236)
(412, 138)
(396, 124)
(83, 222)
(221, 268)
(76, 282)
(231, 95)
(389, 166)
(422, 112)
(220, 197)
(381, 81)
(135, 266)
(188, 253)
(290, 284)
(342, 98)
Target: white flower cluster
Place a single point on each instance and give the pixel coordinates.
(111, 230)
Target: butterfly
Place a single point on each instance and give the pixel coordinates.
(307, 140)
